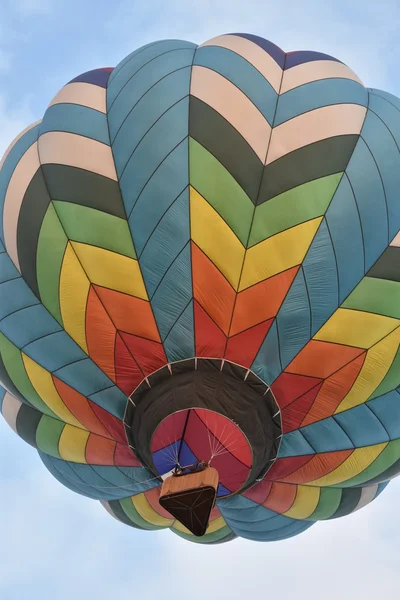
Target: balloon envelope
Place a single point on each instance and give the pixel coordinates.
(200, 261)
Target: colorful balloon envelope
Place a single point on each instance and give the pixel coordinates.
(200, 261)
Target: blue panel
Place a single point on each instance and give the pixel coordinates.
(179, 344)
(163, 137)
(7, 269)
(111, 399)
(255, 522)
(138, 87)
(164, 459)
(242, 74)
(85, 377)
(167, 241)
(147, 112)
(382, 145)
(186, 456)
(174, 293)
(2, 394)
(167, 183)
(368, 191)
(386, 408)
(327, 436)
(28, 325)
(74, 118)
(13, 158)
(294, 320)
(387, 107)
(320, 273)
(362, 426)
(135, 61)
(267, 364)
(304, 56)
(54, 351)
(294, 444)
(316, 94)
(345, 229)
(14, 296)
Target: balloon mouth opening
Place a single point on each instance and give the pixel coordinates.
(209, 410)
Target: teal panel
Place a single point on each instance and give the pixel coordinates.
(179, 344)
(267, 364)
(73, 118)
(327, 436)
(362, 426)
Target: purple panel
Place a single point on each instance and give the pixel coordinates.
(96, 77)
(277, 54)
(297, 58)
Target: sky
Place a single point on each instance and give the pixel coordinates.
(55, 544)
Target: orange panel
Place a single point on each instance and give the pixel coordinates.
(152, 497)
(210, 340)
(100, 335)
(322, 359)
(334, 390)
(99, 450)
(80, 408)
(212, 290)
(261, 301)
(318, 466)
(281, 497)
(129, 375)
(129, 314)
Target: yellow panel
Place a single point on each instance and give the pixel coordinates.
(74, 290)
(305, 503)
(111, 270)
(213, 526)
(359, 460)
(278, 253)
(147, 513)
(43, 383)
(215, 238)
(72, 444)
(356, 328)
(377, 363)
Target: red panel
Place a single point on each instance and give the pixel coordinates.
(261, 301)
(149, 355)
(114, 425)
(210, 340)
(124, 457)
(243, 348)
(100, 335)
(80, 407)
(333, 391)
(284, 466)
(259, 492)
(100, 451)
(289, 387)
(170, 430)
(319, 466)
(281, 497)
(128, 372)
(293, 414)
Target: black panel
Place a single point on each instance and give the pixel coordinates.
(222, 140)
(213, 385)
(120, 514)
(33, 210)
(27, 423)
(387, 266)
(192, 508)
(350, 499)
(71, 184)
(323, 158)
(8, 383)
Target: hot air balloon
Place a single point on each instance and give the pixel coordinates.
(200, 297)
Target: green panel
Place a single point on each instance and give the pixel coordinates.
(208, 538)
(221, 190)
(48, 435)
(391, 380)
(50, 252)
(385, 460)
(134, 516)
(15, 368)
(94, 227)
(328, 504)
(380, 296)
(293, 207)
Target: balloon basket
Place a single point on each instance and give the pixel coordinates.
(190, 498)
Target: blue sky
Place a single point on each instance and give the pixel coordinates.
(55, 544)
